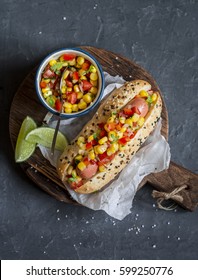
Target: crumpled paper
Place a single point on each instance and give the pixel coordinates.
(116, 199)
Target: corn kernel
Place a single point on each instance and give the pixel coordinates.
(82, 72)
(119, 134)
(143, 93)
(81, 139)
(68, 110)
(141, 121)
(69, 89)
(67, 105)
(76, 88)
(123, 129)
(129, 122)
(93, 90)
(82, 105)
(79, 95)
(93, 76)
(87, 98)
(48, 93)
(63, 89)
(78, 157)
(83, 77)
(112, 135)
(135, 118)
(121, 147)
(52, 62)
(61, 58)
(81, 152)
(72, 62)
(74, 174)
(122, 120)
(110, 152)
(111, 119)
(114, 147)
(102, 168)
(80, 60)
(81, 166)
(69, 170)
(154, 97)
(100, 149)
(75, 107)
(44, 90)
(94, 83)
(46, 81)
(65, 74)
(92, 69)
(90, 138)
(91, 155)
(103, 140)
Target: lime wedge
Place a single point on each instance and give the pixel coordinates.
(44, 136)
(24, 149)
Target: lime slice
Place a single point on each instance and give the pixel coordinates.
(23, 148)
(44, 136)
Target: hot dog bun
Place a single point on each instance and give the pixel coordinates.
(117, 100)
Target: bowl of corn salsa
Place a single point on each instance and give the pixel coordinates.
(69, 82)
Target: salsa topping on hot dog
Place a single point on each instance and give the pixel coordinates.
(79, 86)
(98, 149)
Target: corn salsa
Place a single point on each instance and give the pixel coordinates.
(78, 79)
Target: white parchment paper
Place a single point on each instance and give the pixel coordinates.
(116, 199)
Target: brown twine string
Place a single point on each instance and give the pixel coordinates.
(161, 196)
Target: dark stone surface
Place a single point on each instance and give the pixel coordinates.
(159, 35)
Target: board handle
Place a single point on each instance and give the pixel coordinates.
(176, 183)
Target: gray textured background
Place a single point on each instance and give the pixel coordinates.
(159, 35)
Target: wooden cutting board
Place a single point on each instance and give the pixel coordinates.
(40, 171)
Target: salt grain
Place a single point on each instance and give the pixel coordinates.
(178, 238)
(154, 246)
(57, 210)
(64, 18)
(40, 32)
(168, 223)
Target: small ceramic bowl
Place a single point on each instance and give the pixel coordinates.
(49, 91)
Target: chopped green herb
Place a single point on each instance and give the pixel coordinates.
(149, 99)
(115, 138)
(71, 179)
(57, 66)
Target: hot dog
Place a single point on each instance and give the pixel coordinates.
(110, 139)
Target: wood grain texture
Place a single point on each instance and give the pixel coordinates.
(26, 103)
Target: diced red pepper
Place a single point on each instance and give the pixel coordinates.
(101, 125)
(88, 145)
(102, 133)
(69, 56)
(119, 126)
(104, 158)
(94, 142)
(76, 185)
(128, 111)
(75, 75)
(86, 85)
(72, 97)
(43, 84)
(86, 65)
(86, 161)
(111, 126)
(69, 83)
(124, 140)
(58, 105)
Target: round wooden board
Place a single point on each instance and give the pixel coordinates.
(25, 103)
